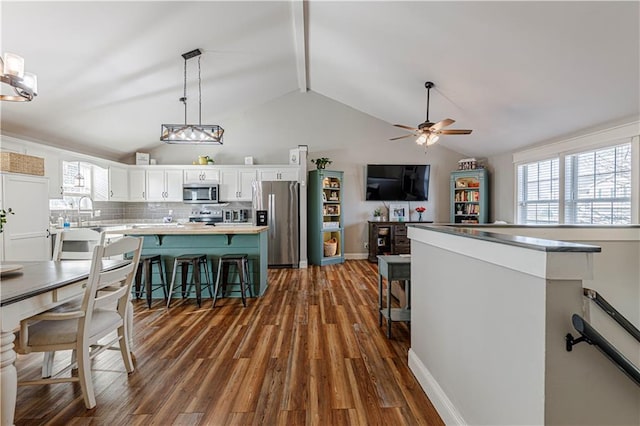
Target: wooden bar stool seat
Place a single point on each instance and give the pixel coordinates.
(196, 261)
(241, 262)
(145, 269)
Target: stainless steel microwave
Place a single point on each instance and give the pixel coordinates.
(198, 193)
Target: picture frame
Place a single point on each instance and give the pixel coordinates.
(398, 212)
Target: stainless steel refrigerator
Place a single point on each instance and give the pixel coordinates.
(281, 201)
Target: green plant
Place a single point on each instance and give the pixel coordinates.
(3, 217)
(377, 212)
(321, 162)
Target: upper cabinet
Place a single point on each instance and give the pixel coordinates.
(278, 173)
(235, 184)
(164, 185)
(137, 184)
(201, 174)
(52, 170)
(118, 184)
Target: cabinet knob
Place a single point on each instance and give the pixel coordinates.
(111, 194)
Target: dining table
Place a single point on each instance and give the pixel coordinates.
(27, 289)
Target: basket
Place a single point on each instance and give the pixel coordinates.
(20, 163)
(330, 247)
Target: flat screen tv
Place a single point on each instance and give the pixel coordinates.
(397, 182)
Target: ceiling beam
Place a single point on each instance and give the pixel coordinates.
(298, 9)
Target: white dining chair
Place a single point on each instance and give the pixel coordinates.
(100, 314)
(71, 244)
(84, 240)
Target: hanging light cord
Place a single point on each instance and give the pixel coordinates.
(199, 95)
(184, 96)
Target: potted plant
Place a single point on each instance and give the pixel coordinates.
(420, 210)
(377, 214)
(3, 217)
(321, 162)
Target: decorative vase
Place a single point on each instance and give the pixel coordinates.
(419, 217)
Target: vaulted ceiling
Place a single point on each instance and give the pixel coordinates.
(517, 73)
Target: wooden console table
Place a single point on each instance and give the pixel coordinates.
(389, 238)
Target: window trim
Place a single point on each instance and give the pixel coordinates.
(527, 157)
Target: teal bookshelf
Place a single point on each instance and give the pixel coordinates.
(325, 227)
(470, 196)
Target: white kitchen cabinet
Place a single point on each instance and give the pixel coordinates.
(52, 169)
(278, 173)
(164, 185)
(118, 184)
(137, 185)
(201, 175)
(26, 234)
(235, 184)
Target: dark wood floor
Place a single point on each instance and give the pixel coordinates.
(309, 352)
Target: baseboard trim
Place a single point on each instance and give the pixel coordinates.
(356, 256)
(447, 411)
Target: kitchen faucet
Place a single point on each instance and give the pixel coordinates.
(89, 210)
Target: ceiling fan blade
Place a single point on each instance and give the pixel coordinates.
(455, 132)
(440, 124)
(401, 137)
(405, 127)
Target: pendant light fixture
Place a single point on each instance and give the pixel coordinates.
(23, 84)
(197, 134)
(78, 180)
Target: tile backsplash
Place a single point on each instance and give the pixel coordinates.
(149, 212)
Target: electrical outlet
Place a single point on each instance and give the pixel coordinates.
(96, 213)
(366, 245)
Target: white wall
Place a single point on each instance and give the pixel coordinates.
(330, 129)
(502, 182)
(487, 335)
(501, 188)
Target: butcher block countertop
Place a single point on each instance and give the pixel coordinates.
(187, 229)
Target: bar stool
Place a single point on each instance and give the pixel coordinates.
(195, 261)
(241, 262)
(145, 267)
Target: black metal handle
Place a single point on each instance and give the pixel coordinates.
(592, 337)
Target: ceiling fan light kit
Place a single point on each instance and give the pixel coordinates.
(428, 133)
(23, 84)
(197, 134)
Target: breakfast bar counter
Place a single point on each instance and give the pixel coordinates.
(171, 241)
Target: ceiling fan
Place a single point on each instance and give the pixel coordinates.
(429, 132)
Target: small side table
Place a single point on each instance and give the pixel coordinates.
(394, 268)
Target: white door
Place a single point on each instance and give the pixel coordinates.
(272, 174)
(202, 174)
(155, 185)
(228, 185)
(26, 233)
(118, 184)
(173, 185)
(137, 185)
(52, 169)
(245, 179)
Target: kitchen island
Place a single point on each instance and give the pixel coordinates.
(170, 241)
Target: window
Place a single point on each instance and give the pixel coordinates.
(71, 193)
(596, 189)
(598, 186)
(538, 192)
